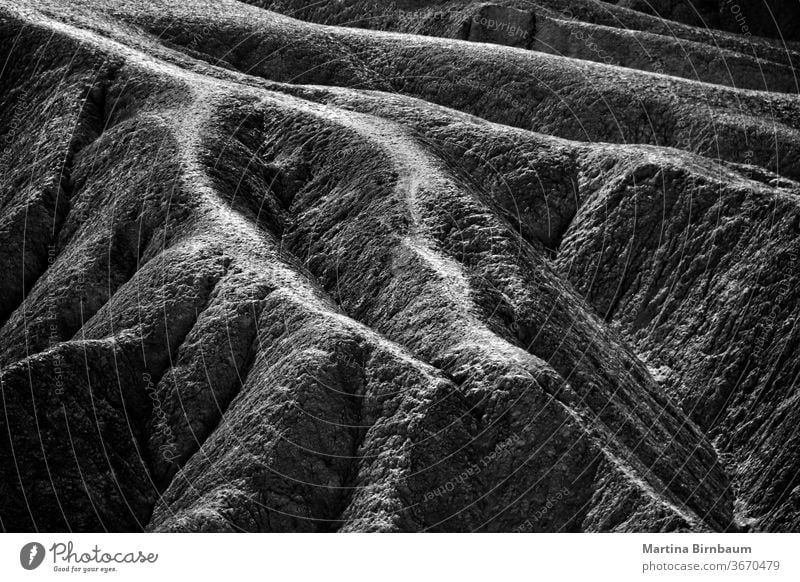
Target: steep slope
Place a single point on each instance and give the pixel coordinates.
(268, 275)
(593, 31)
(535, 91)
(769, 18)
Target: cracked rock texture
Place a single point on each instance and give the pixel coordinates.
(439, 266)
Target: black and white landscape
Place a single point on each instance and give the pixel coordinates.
(338, 266)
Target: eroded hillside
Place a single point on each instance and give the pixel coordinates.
(372, 270)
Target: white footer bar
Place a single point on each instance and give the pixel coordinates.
(402, 557)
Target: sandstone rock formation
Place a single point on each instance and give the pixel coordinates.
(272, 266)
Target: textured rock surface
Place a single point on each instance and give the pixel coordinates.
(770, 18)
(732, 55)
(267, 274)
